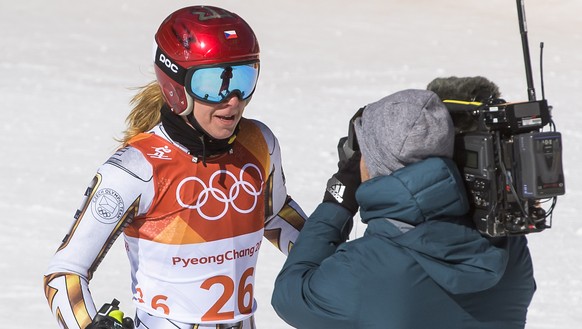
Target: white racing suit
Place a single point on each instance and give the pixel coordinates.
(192, 231)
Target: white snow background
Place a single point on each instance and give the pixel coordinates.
(67, 69)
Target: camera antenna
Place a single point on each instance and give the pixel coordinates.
(531, 93)
(542, 69)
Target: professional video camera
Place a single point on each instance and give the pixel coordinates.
(511, 168)
(510, 155)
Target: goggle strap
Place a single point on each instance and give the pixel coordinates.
(174, 70)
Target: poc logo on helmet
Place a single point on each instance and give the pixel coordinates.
(173, 67)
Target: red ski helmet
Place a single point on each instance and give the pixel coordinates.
(198, 36)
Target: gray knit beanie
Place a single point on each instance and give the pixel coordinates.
(404, 128)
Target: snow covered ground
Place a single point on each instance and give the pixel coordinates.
(67, 69)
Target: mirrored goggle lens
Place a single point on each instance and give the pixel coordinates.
(215, 84)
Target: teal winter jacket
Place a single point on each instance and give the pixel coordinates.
(420, 264)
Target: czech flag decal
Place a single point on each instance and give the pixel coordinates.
(230, 34)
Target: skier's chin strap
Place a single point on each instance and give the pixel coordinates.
(198, 142)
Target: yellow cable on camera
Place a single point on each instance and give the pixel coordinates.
(453, 101)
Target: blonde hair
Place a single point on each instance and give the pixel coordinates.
(145, 113)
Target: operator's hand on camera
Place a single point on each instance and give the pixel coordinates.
(341, 187)
(110, 317)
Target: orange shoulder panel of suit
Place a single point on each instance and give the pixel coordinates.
(139, 137)
(252, 139)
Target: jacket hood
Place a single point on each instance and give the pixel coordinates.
(417, 193)
(430, 196)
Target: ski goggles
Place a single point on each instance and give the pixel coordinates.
(214, 84)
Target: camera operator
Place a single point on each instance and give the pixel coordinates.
(421, 262)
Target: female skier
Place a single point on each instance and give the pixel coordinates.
(193, 189)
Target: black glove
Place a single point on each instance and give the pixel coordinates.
(110, 317)
(341, 187)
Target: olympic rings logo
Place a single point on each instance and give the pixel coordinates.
(240, 185)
